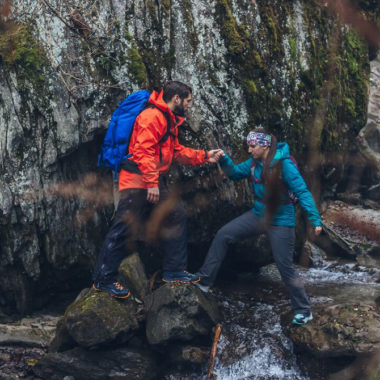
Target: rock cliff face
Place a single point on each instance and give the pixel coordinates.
(65, 66)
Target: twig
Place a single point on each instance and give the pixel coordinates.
(213, 352)
(153, 279)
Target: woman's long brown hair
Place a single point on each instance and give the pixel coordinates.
(271, 179)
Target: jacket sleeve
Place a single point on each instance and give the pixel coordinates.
(236, 172)
(144, 150)
(188, 156)
(297, 185)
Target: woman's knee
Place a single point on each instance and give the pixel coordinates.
(224, 235)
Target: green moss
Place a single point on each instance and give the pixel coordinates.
(251, 87)
(349, 105)
(105, 64)
(189, 21)
(22, 53)
(230, 30)
(166, 5)
(293, 48)
(136, 67)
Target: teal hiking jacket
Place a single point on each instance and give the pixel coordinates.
(292, 178)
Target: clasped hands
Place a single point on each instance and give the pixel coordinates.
(215, 155)
(153, 193)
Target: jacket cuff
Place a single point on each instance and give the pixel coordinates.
(150, 184)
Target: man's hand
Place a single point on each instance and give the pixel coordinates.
(153, 195)
(215, 155)
(317, 230)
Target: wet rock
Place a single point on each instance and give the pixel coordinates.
(62, 340)
(35, 331)
(121, 363)
(312, 255)
(369, 136)
(98, 318)
(189, 354)
(133, 274)
(348, 197)
(364, 367)
(374, 192)
(350, 230)
(338, 330)
(179, 312)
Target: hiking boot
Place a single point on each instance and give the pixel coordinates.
(182, 276)
(115, 289)
(302, 318)
(202, 287)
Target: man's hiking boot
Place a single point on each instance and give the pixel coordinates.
(182, 276)
(302, 318)
(115, 289)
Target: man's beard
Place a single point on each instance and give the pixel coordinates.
(179, 110)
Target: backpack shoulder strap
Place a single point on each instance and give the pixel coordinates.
(167, 117)
(253, 178)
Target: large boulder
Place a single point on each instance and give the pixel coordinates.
(351, 231)
(94, 319)
(81, 364)
(179, 312)
(338, 330)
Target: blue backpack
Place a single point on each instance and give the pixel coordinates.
(116, 142)
(115, 146)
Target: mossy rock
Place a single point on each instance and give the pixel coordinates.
(97, 318)
(338, 330)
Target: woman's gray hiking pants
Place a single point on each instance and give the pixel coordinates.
(282, 242)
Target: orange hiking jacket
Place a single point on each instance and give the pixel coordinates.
(150, 126)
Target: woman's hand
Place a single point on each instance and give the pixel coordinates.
(215, 155)
(317, 230)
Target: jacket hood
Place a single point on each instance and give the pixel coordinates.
(282, 151)
(157, 99)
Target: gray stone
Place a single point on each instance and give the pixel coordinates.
(374, 192)
(37, 331)
(132, 272)
(189, 354)
(179, 312)
(81, 364)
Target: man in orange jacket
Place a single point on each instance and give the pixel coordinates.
(142, 185)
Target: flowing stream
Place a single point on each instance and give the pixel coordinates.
(253, 344)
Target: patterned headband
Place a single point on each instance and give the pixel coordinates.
(261, 139)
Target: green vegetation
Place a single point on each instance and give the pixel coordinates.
(19, 51)
(136, 67)
(189, 22)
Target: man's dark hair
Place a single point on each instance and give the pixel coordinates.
(173, 88)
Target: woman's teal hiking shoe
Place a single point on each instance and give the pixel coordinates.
(302, 318)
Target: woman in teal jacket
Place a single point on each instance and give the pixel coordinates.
(276, 182)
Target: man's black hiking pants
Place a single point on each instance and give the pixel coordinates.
(133, 212)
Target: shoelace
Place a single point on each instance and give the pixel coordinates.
(118, 285)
